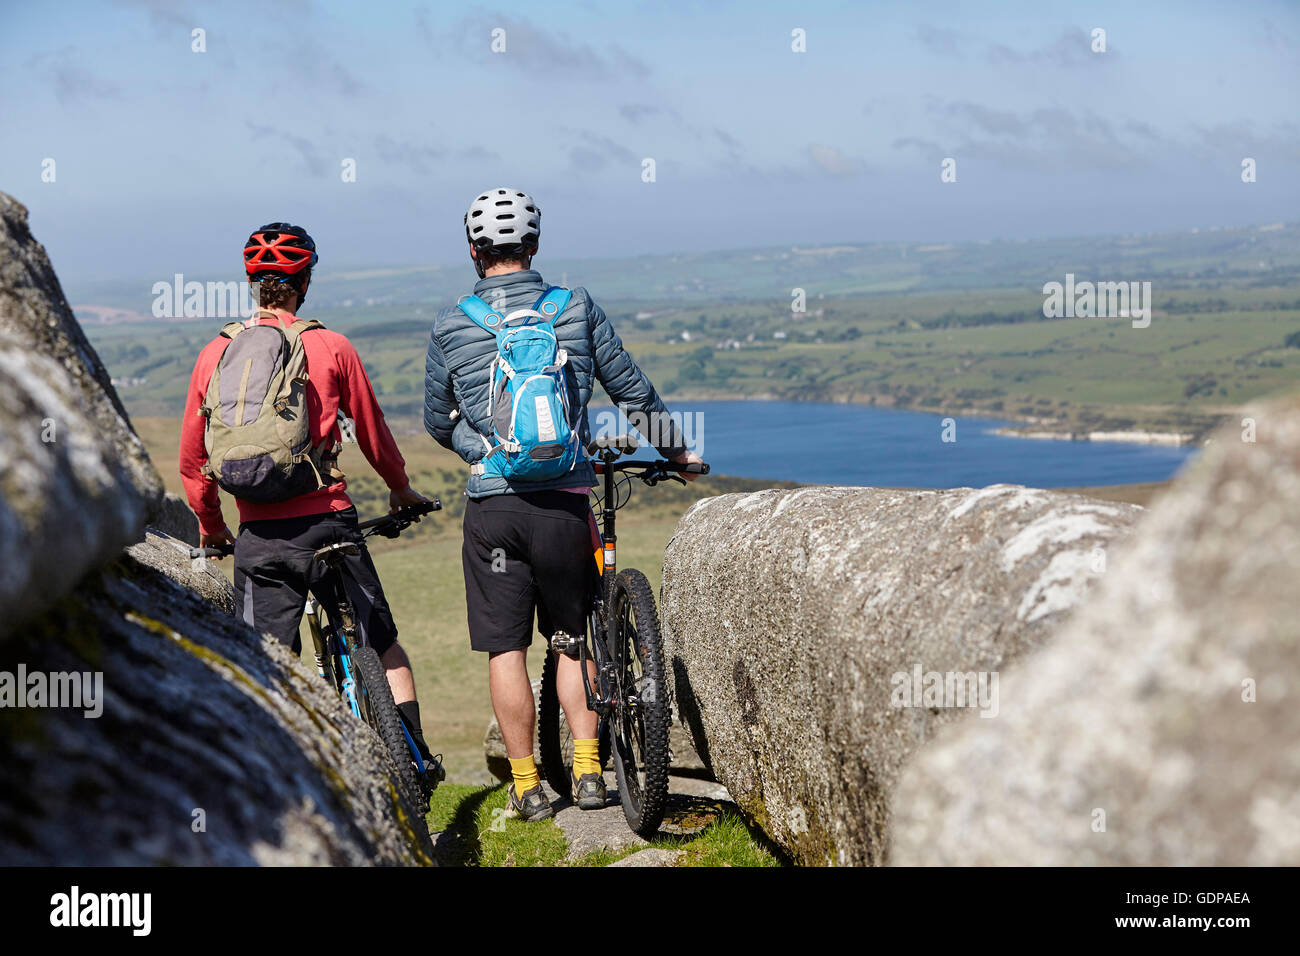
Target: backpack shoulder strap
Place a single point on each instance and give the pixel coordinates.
(552, 302)
(480, 313)
(300, 326)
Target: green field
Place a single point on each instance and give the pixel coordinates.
(993, 352)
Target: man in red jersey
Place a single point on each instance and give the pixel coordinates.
(274, 570)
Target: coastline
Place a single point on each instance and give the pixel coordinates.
(1173, 439)
(1034, 428)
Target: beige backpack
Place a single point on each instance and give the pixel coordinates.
(257, 435)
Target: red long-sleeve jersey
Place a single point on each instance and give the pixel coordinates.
(336, 380)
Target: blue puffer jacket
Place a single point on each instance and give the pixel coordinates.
(456, 382)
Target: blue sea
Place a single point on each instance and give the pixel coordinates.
(844, 444)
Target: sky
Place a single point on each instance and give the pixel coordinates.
(165, 158)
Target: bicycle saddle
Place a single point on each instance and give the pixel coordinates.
(335, 552)
(618, 443)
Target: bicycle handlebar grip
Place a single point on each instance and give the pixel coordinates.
(418, 511)
(221, 551)
(694, 468)
(409, 513)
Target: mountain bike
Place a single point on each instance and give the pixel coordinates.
(630, 694)
(351, 666)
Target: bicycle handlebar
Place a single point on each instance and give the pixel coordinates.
(653, 471)
(391, 525)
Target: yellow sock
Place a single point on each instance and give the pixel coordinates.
(524, 770)
(586, 757)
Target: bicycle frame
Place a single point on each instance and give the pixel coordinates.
(602, 704)
(335, 645)
(329, 647)
(606, 665)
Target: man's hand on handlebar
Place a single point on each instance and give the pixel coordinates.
(222, 539)
(688, 458)
(406, 498)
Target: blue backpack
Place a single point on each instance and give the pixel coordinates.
(529, 400)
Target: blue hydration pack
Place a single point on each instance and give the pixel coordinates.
(529, 400)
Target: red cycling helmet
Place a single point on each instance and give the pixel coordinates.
(279, 248)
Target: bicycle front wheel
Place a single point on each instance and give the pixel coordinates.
(640, 716)
(375, 699)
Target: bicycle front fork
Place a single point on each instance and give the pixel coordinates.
(317, 639)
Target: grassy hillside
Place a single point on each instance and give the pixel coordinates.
(1205, 353)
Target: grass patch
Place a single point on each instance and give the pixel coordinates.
(725, 842)
(475, 833)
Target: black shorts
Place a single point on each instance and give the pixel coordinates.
(274, 571)
(524, 553)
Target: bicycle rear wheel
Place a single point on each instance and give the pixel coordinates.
(555, 740)
(641, 713)
(375, 699)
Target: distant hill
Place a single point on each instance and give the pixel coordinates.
(1266, 255)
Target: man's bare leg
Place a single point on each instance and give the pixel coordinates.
(512, 701)
(583, 723)
(573, 696)
(397, 668)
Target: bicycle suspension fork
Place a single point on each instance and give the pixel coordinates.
(317, 639)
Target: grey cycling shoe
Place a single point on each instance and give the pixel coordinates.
(589, 791)
(532, 806)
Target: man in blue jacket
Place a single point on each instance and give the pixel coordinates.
(528, 543)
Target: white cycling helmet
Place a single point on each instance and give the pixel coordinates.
(504, 219)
